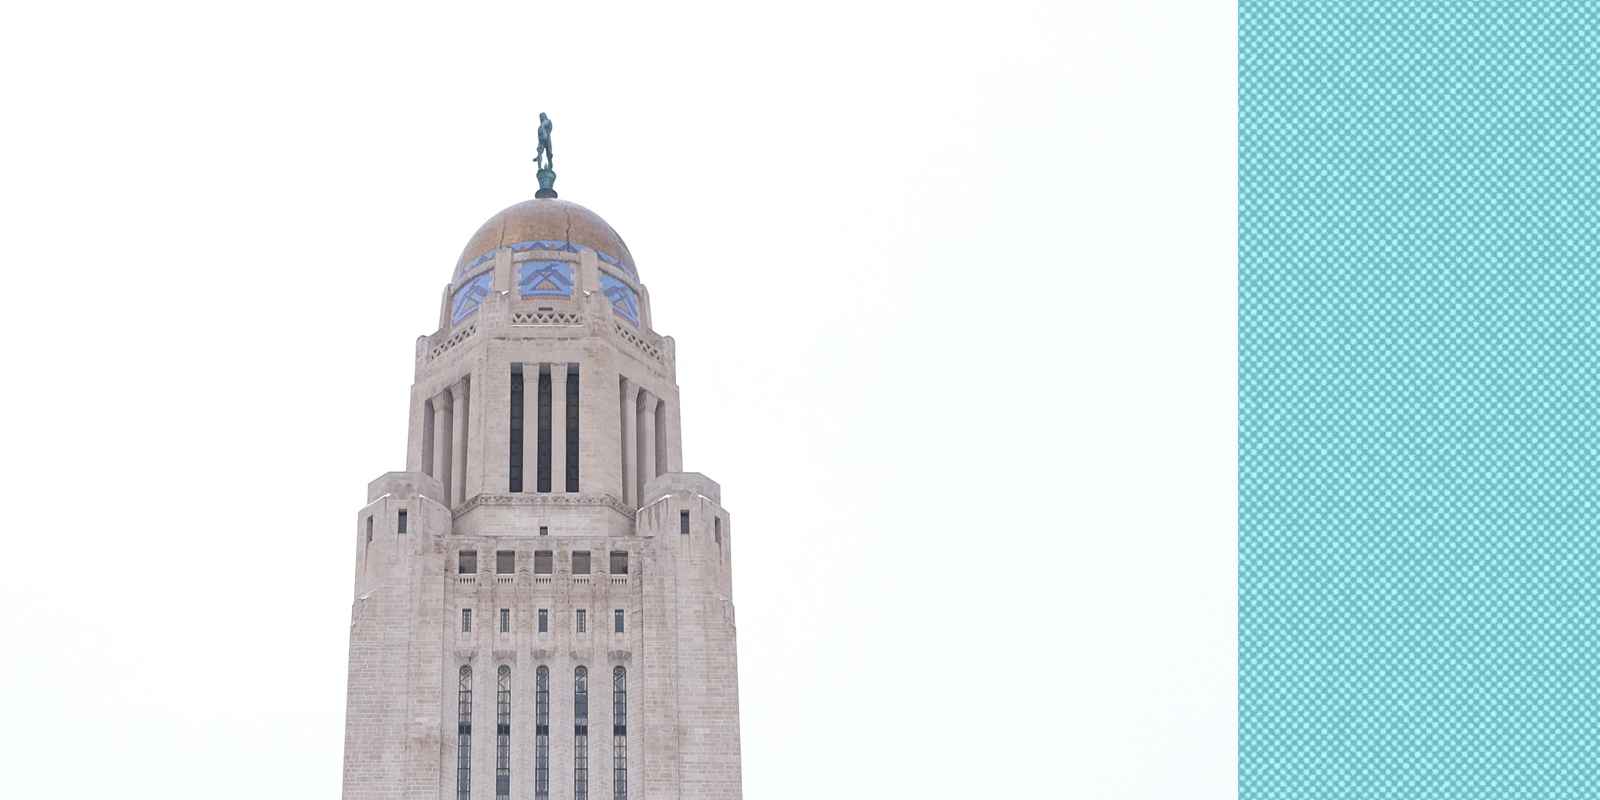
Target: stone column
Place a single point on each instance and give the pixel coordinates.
(458, 443)
(441, 441)
(558, 428)
(647, 440)
(630, 447)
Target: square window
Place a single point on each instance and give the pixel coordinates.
(583, 621)
(618, 615)
(543, 562)
(467, 562)
(505, 562)
(683, 522)
(619, 562)
(580, 562)
(505, 620)
(544, 620)
(544, 530)
(466, 620)
(400, 526)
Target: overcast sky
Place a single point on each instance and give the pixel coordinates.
(953, 293)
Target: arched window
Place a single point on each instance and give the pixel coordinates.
(541, 734)
(464, 735)
(619, 733)
(580, 734)
(502, 736)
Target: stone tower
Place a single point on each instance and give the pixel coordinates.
(543, 598)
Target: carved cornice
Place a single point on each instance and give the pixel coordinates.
(605, 500)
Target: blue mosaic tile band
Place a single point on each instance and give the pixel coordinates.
(624, 301)
(1419, 400)
(467, 268)
(552, 245)
(467, 298)
(545, 278)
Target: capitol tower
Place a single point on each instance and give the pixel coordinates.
(543, 598)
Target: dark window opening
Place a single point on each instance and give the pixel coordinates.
(505, 562)
(580, 562)
(467, 562)
(505, 620)
(544, 530)
(543, 562)
(466, 620)
(400, 524)
(572, 428)
(618, 620)
(583, 621)
(683, 522)
(541, 734)
(516, 427)
(502, 736)
(544, 620)
(580, 734)
(619, 734)
(464, 734)
(619, 562)
(369, 530)
(543, 474)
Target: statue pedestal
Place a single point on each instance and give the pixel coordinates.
(547, 184)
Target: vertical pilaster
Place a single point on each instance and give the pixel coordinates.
(441, 442)
(558, 428)
(458, 442)
(647, 441)
(630, 445)
(480, 400)
(530, 427)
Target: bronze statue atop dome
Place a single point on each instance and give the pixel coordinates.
(545, 157)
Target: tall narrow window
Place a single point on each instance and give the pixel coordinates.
(580, 734)
(466, 620)
(369, 530)
(464, 735)
(400, 524)
(583, 621)
(617, 620)
(541, 734)
(683, 522)
(572, 428)
(505, 620)
(502, 736)
(619, 733)
(544, 430)
(516, 427)
(544, 620)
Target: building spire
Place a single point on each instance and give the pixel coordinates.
(546, 159)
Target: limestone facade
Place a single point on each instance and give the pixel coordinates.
(544, 480)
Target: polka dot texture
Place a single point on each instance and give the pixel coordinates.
(1419, 441)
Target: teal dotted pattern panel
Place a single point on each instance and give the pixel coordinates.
(1419, 400)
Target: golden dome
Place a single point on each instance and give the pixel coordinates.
(553, 223)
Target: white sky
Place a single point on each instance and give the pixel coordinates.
(953, 291)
